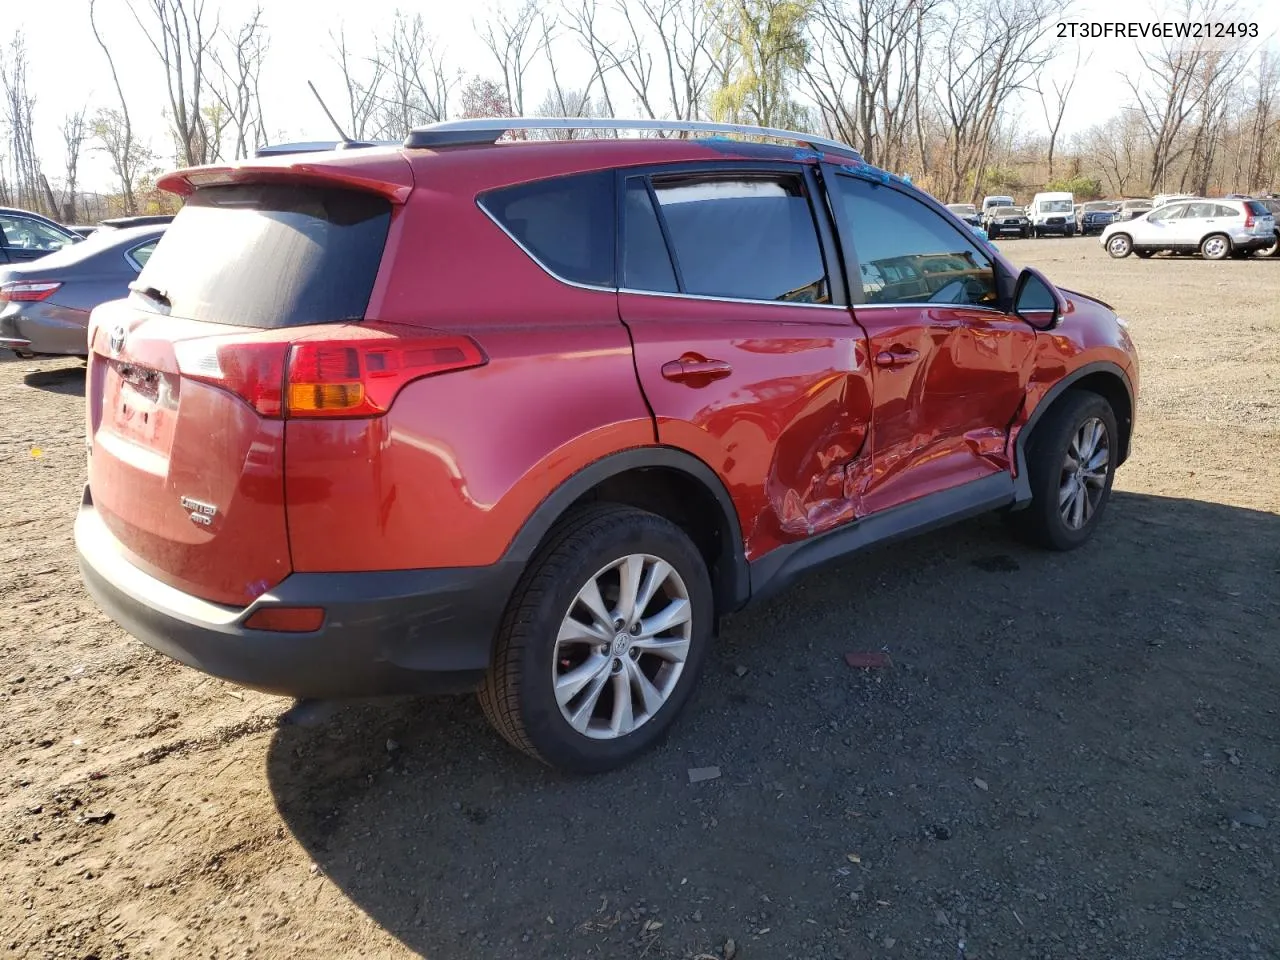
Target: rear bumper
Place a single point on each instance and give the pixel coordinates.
(393, 632)
(44, 329)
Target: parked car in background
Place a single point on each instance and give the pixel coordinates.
(1216, 228)
(1273, 207)
(989, 203)
(966, 212)
(29, 236)
(45, 305)
(1052, 214)
(531, 417)
(84, 230)
(1007, 222)
(1095, 215)
(1133, 207)
(143, 220)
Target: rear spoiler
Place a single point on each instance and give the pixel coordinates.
(388, 175)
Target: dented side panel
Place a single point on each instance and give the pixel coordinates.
(784, 427)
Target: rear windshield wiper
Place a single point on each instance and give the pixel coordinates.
(151, 293)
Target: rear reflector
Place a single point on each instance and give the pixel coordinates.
(287, 619)
(351, 376)
(26, 292)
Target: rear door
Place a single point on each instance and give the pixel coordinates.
(949, 365)
(743, 343)
(187, 376)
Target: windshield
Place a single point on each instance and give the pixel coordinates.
(962, 208)
(1007, 212)
(1100, 205)
(1055, 206)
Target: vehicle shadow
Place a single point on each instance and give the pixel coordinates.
(1081, 692)
(69, 380)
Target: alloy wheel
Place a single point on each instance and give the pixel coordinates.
(1215, 247)
(1084, 473)
(622, 646)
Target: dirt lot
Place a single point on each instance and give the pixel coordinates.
(1072, 756)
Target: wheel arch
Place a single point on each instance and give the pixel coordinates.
(1102, 377)
(666, 481)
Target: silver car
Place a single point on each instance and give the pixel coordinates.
(1216, 228)
(45, 304)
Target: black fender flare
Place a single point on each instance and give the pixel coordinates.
(1022, 484)
(733, 582)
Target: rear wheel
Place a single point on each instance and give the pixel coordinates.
(1120, 245)
(602, 642)
(1071, 463)
(1215, 247)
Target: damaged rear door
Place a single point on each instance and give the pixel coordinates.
(744, 344)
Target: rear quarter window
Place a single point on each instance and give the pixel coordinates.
(566, 224)
(273, 255)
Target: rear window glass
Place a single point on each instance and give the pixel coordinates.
(565, 223)
(262, 255)
(1257, 208)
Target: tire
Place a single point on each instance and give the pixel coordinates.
(1216, 246)
(1047, 521)
(1120, 245)
(1273, 250)
(597, 545)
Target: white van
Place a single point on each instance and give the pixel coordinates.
(1052, 213)
(990, 203)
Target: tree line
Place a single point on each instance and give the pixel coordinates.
(952, 92)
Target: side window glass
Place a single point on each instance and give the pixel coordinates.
(1172, 212)
(565, 223)
(142, 253)
(907, 253)
(31, 235)
(1220, 211)
(646, 262)
(744, 237)
(1199, 210)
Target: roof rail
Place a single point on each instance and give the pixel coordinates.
(487, 130)
(319, 146)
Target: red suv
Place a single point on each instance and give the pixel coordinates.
(530, 416)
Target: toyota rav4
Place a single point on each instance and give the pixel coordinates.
(529, 416)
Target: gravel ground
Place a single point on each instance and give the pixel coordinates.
(1071, 755)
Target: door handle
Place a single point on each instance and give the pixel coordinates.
(696, 372)
(896, 358)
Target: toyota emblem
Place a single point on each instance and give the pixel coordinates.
(115, 339)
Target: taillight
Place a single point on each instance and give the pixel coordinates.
(360, 378)
(21, 291)
(254, 372)
(1248, 218)
(340, 377)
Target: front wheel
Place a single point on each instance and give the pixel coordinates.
(602, 642)
(1120, 245)
(1215, 247)
(1071, 463)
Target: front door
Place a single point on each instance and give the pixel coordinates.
(743, 340)
(26, 239)
(949, 364)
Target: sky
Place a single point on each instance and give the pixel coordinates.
(69, 70)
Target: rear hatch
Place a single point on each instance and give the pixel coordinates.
(187, 375)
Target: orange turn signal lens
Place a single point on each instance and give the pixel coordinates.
(306, 397)
(287, 619)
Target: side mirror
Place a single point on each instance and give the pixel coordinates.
(1037, 301)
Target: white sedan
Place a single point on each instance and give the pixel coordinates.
(1215, 228)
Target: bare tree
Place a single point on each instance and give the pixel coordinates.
(993, 51)
(1264, 135)
(238, 59)
(419, 84)
(482, 97)
(363, 87)
(1054, 103)
(1116, 146)
(863, 72)
(118, 141)
(513, 40)
(19, 116)
(181, 38)
(75, 131)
